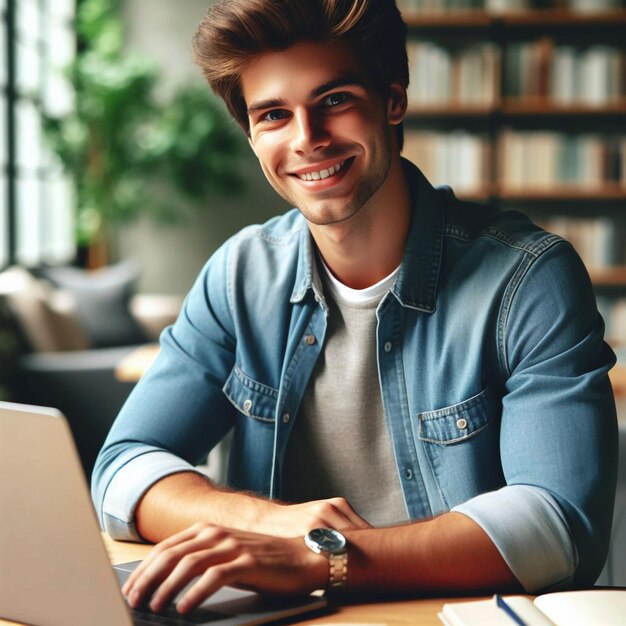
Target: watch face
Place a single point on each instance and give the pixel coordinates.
(327, 540)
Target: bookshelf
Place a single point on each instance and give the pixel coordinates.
(523, 104)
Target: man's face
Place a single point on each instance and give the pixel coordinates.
(322, 133)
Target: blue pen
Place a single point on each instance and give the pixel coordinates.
(508, 609)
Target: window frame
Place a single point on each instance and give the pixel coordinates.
(42, 175)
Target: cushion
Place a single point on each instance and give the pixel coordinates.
(102, 301)
(46, 317)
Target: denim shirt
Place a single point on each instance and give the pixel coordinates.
(492, 368)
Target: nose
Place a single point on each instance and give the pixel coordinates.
(310, 132)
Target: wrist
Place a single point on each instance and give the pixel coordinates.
(315, 566)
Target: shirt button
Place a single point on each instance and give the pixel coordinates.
(310, 339)
(286, 418)
(247, 405)
(408, 473)
(388, 346)
(461, 423)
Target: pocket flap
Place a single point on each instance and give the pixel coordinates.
(251, 397)
(459, 421)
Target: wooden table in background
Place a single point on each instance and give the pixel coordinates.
(618, 379)
(132, 367)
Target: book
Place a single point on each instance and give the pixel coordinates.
(597, 607)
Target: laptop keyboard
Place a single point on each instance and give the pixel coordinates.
(171, 617)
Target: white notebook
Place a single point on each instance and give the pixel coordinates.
(567, 608)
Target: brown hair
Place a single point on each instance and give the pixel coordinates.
(234, 31)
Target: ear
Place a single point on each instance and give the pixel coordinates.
(396, 103)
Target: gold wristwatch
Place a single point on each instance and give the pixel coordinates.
(332, 544)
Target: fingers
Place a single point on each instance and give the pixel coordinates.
(213, 579)
(193, 564)
(175, 562)
(295, 520)
(335, 513)
(174, 540)
(353, 519)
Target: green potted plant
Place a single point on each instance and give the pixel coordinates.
(119, 139)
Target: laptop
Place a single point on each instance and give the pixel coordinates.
(54, 568)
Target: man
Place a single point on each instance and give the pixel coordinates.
(424, 378)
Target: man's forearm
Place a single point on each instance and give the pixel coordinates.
(447, 553)
(179, 500)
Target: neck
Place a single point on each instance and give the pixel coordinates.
(366, 248)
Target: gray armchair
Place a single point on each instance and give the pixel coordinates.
(76, 327)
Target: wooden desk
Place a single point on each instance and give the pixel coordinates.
(405, 612)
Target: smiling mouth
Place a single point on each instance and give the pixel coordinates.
(325, 173)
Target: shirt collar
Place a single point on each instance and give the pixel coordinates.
(306, 276)
(416, 286)
(417, 283)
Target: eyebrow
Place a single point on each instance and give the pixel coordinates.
(349, 80)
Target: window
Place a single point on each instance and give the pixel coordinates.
(4, 146)
(37, 41)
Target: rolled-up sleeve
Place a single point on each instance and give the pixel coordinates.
(539, 550)
(558, 437)
(177, 412)
(128, 485)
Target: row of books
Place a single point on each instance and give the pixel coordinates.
(593, 75)
(507, 6)
(525, 159)
(470, 74)
(613, 311)
(541, 159)
(598, 241)
(458, 75)
(458, 159)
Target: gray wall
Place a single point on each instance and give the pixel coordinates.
(171, 256)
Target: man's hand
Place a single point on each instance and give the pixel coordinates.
(295, 520)
(221, 556)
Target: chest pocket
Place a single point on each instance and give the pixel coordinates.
(251, 398)
(250, 461)
(461, 443)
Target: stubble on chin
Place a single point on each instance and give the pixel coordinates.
(332, 212)
(320, 212)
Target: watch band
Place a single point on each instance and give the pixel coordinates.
(338, 570)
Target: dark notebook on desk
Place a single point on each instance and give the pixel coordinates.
(55, 570)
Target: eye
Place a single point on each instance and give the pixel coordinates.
(275, 115)
(335, 99)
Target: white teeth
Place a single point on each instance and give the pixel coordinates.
(333, 169)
